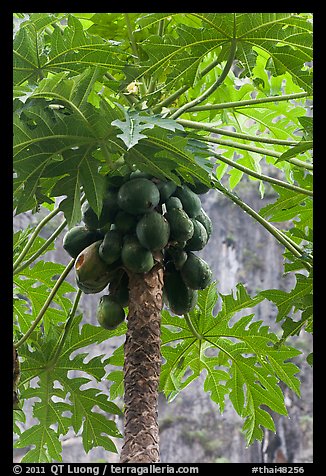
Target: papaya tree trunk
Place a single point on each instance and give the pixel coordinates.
(142, 368)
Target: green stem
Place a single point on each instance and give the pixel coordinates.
(240, 135)
(142, 86)
(263, 177)
(213, 87)
(131, 35)
(152, 81)
(258, 150)
(66, 330)
(269, 227)
(247, 102)
(48, 301)
(191, 327)
(34, 236)
(293, 243)
(170, 99)
(43, 247)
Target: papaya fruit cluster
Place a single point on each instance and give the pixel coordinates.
(142, 216)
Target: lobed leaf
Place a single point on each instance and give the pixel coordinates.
(240, 359)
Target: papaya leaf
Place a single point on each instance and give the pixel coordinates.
(239, 359)
(55, 401)
(32, 286)
(287, 206)
(70, 50)
(296, 150)
(58, 144)
(179, 52)
(286, 301)
(117, 386)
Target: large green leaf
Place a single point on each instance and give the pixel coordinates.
(55, 401)
(70, 49)
(239, 359)
(287, 301)
(59, 143)
(32, 285)
(285, 37)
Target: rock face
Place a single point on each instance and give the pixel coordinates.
(191, 428)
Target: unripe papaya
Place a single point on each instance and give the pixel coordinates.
(110, 248)
(196, 273)
(110, 207)
(78, 238)
(178, 256)
(190, 201)
(198, 187)
(199, 237)
(166, 189)
(138, 196)
(135, 257)
(153, 231)
(109, 210)
(110, 314)
(181, 227)
(204, 219)
(181, 299)
(173, 202)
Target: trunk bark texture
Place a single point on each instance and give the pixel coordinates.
(142, 368)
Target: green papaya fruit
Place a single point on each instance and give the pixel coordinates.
(180, 298)
(153, 231)
(138, 196)
(91, 271)
(110, 314)
(110, 248)
(78, 238)
(166, 189)
(199, 238)
(119, 288)
(198, 187)
(190, 201)
(204, 219)
(125, 222)
(135, 257)
(181, 227)
(173, 202)
(196, 273)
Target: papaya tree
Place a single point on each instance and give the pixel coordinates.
(122, 123)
